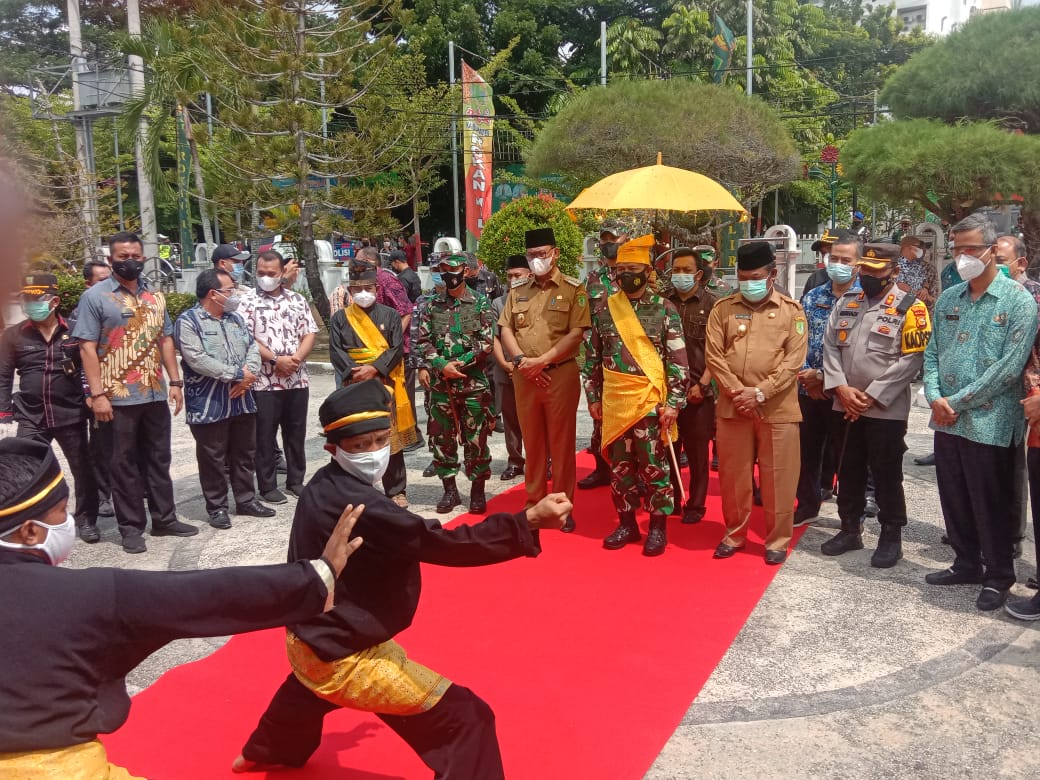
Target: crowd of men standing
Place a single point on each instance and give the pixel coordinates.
(802, 399)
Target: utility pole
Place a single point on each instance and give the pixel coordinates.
(750, 48)
(144, 183)
(87, 186)
(603, 54)
(209, 127)
(454, 144)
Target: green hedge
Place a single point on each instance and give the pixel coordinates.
(503, 234)
(71, 287)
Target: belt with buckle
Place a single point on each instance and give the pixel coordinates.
(551, 366)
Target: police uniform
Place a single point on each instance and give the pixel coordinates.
(635, 361)
(876, 346)
(539, 313)
(459, 329)
(762, 346)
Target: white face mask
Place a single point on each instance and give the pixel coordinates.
(58, 543)
(970, 267)
(269, 283)
(364, 298)
(540, 266)
(917, 253)
(369, 467)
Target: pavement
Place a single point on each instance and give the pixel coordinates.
(841, 670)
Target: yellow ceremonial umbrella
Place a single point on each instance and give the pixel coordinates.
(658, 188)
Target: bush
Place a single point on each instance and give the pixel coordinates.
(504, 232)
(178, 303)
(70, 288)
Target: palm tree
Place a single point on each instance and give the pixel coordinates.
(632, 46)
(173, 82)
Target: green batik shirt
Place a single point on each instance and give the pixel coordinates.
(604, 348)
(460, 329)
(975, 359)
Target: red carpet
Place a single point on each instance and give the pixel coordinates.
(589, 658)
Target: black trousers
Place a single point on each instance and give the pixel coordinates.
(818, 450)
(877, 446)
(395, 480)
(455, 738)
(285, 409)
(696, 428)
(975, 483)
(511, 422)
(410, 372)
(1033, 462)
(100, 442)
(141, 447)
(73, 442)
(224, 449)
(1019, 495)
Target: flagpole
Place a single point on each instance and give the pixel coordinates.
(454, 144)
(750, 87)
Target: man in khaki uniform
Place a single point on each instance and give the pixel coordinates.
(755, 346)
(542, 325)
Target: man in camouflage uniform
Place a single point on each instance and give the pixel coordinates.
(600, 284)
(635, 382)
(456, 335)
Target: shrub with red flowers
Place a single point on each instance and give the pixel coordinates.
(504, 232)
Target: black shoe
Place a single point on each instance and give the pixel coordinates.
(1033, 583)
(724, 551)
(887, 554)
(450, 499)
(951, 577)
(594, 480)
(656, 539)
(990, 599)
(88, 533)
(568, 525)
(775, 557)
(683, 460)
(254, 509)
(134, 543)
(105, 508)
(692, 516)
(415, 445)
(926, 460)
(804, 517)
(430, 470)
(512, 472)
(627, 532)
(296, 491)
(274, 497)
(1024, 609)
(871, 509)
(842, 542)
(477, 499)
(176, 528)
(220, 519)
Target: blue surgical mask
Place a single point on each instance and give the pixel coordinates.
(839, 272)
(754, 290)
(684, 282)
(438, 281)
(37, 311)
(237, 269)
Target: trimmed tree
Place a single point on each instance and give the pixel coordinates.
(504, 232)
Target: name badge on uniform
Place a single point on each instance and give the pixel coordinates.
(742, 316)
(953, 317)
(848, 313)
(882, 328)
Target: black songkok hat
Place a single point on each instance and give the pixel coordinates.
(754, 254)
(355, 409)
(539, 237)
(363, 273)
(47, 487)
(517, 261)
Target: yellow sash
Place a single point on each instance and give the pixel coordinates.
(375, 345)
(87, 761)
(628, 398)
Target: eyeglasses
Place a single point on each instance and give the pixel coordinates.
(539, 254)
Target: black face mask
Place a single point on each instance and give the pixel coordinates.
(632, 282)
(609, 251)
(128, 269)
(471, 282)
(452, 280)
(873, 286)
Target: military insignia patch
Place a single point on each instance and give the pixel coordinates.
(852, 305)
(891, 311)
(884, 330)
(799, 326)
(922, 323)
(843, 335)
(581, 299)
(888, 301)
(843, 324)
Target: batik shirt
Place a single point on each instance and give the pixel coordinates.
(604, 348)
(975, 360)
(1031, 376)
(460, 329)
(818, 303)
(915, 274)
(127, 328)
(279, 322)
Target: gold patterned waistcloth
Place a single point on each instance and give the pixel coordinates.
(378, 679)
(88, 761)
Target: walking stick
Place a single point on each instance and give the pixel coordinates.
(675, 463)
(454, 413)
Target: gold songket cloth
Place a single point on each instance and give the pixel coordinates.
(629, 398)
(378, 679)
(403, 431)
(87, 761)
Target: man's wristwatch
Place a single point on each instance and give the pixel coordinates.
(176, 383)
(517, 359)
(760, 396)
(705, 388)
(271, 363)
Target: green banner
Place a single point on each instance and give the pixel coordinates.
(183, 192)
(722, 47)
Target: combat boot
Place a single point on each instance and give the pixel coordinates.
(850, 537)
(477, 499)
(656, 540)
(627, 532)
(450, 499)
(889, 548)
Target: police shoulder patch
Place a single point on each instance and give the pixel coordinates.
(572, 281)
